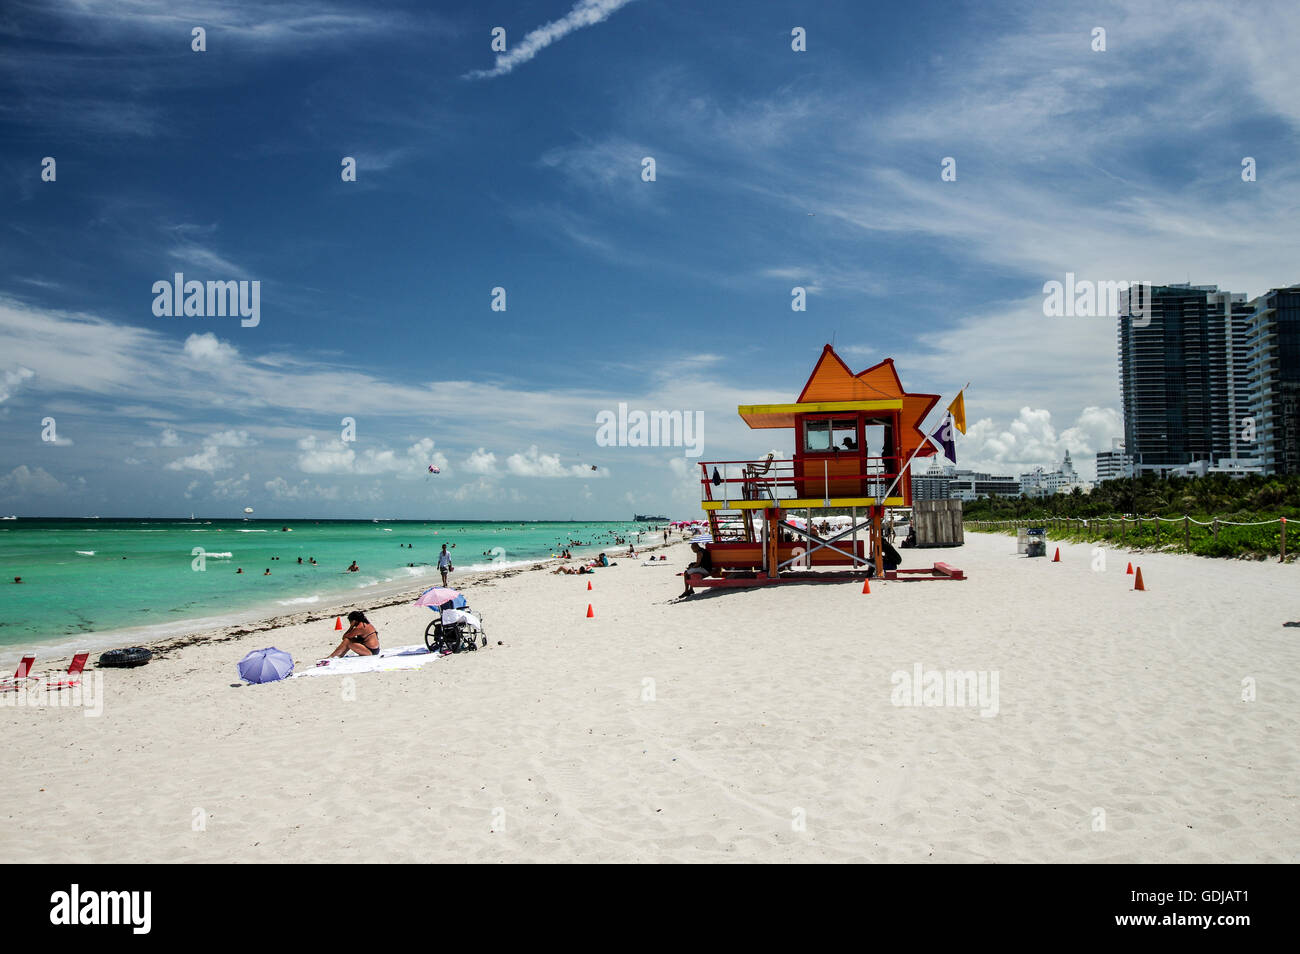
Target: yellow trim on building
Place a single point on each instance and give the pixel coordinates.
(802, 503)
(823, 407)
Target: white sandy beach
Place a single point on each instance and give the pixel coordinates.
(769, 706)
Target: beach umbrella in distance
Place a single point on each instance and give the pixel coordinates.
(437, 596)
(265, 665)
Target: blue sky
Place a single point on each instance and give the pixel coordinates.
(774, 168)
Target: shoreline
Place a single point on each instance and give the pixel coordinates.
(162, 645)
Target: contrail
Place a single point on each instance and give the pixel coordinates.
(584, 13)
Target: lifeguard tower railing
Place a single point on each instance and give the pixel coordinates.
(758, 484)
(734, 492)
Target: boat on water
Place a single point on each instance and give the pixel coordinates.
(643, 518)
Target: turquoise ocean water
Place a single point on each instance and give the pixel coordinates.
(87, 581)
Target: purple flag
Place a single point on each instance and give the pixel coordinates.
(943, 440)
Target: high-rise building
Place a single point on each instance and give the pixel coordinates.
(1184, 377)
(1114, 463)
(1273, 380)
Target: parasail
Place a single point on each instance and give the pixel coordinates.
(433, 469)
(248, 510)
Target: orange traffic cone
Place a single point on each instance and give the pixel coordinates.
(1137, 583)
(1056, 558)
(1129, 571)
(866, 586)
(589, 584)
(338, 622)
(590, 613)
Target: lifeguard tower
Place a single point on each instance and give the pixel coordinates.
(854, 438)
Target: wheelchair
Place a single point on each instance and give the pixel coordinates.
(455, 634)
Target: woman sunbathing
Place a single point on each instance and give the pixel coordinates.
(361, 637)
(574, 569)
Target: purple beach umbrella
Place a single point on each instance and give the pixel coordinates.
(265, 665)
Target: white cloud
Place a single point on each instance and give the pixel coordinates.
(481, 461)
(584, 13)
(339, 457)
(281, 489)
(1030, 440)
(533, 463)
(33, 481)
(209, 460)
(230, 487)
(11, 381)
(231, 439)
(208, 347)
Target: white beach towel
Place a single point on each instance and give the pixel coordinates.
(388, 660)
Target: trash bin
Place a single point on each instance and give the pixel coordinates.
(1036, 542)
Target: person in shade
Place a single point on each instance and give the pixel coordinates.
(702, 567)
(361, 637)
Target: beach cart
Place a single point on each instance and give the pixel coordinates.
(1036, 542)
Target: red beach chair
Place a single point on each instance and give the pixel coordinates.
(74, 669)
(20, 676)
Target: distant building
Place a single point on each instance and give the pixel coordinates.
(934, 484)
(1041, 483)
(969, 485)
(1114, 463)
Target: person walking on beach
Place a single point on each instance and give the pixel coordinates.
(362, 638)
(444, 564)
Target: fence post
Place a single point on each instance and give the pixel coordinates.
(1157, 520)
(1121, 531)
(1282, 557)
(1216, 529)
(1187, 532)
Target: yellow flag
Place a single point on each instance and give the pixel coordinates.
(958, 411)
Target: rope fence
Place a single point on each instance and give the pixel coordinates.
(1213, 537)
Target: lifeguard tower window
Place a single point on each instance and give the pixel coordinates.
(825, 435)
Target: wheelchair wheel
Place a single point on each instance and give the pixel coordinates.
(433, 636)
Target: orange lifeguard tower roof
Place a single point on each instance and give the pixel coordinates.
(833, 387)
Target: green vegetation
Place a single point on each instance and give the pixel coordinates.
(1095, 517)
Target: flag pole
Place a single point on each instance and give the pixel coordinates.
(925, 441)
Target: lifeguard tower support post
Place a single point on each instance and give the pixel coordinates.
(835, 465)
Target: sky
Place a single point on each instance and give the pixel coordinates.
(525, 170)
